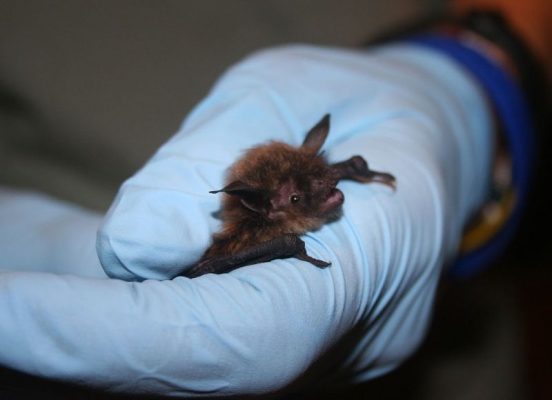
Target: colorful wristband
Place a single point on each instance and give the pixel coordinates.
(486, 240)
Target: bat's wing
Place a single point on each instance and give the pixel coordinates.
(282, 247)
(356, 169)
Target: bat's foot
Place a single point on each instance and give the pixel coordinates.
(359, 171)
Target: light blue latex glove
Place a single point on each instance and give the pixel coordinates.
(407, 110)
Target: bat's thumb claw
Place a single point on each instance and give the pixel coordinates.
(314, 261)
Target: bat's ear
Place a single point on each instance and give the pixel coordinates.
(250, 197)
(317, 135)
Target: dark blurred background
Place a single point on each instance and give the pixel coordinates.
(90, 89)
(112, 80)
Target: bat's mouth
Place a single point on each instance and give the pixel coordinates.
(333, 201)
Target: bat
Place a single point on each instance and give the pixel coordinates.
(275, 193)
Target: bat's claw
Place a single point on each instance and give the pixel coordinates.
(356, 168)
(384, 178)
(362, 173)
(314, 261)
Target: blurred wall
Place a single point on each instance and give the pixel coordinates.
(111, 80)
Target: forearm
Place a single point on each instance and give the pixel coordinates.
(39, 233)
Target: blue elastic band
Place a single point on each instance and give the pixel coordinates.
(512, 110)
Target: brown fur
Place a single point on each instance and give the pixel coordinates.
(271, 167)
(275, 193)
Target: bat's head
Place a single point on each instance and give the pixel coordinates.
(293, 188)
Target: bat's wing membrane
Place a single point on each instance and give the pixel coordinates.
(281, 247)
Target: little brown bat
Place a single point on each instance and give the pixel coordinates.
(275, 193)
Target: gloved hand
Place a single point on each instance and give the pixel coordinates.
(407, 110)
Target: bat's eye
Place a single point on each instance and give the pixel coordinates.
(294, 198)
